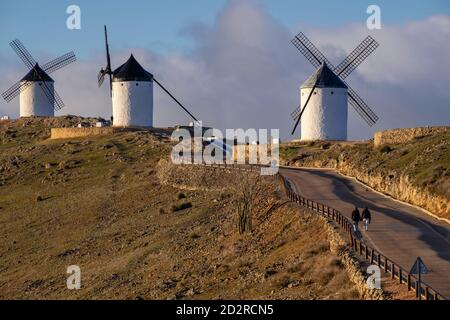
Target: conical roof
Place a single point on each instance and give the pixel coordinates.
(37, 74)
(131, 71)
(324, 77)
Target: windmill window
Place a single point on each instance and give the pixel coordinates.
(315, 92)
(121, 84)
(137, 84)
(332, 92)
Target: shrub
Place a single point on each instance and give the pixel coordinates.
(194, 236)
(182, 206)
(326, 146)
(385, 149)
(181, 195)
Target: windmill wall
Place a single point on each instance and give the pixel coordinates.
(325, 117)
(132, 103)
(34, 102)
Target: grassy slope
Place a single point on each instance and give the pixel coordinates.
(98, 203)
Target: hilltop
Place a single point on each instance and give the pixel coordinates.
(140, 229)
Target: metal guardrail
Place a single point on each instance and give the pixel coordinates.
(365, 251)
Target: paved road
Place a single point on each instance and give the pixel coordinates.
(400, 231)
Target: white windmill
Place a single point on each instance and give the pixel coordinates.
(37, 93)
(326, 94)
(131, 89)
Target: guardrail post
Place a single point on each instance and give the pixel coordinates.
(379, 260)
(400, 275)
(408, 280)
(427, 293)
(371, 256)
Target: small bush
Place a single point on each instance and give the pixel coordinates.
(162, 211)
(326, 146)
(39, 198)
(283, 282)
(181, 195)
(182, 206)
(385, 149)
(194, 235)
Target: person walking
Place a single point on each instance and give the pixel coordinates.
(366, 216)
(356, 218)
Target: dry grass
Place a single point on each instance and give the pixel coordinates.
(102, 207)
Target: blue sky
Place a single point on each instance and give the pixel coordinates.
(159, 24)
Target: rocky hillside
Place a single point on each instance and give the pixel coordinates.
(417, 172)
(139, 229)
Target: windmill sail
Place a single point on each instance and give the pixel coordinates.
(39, 73)
(354, 59)
(60, 62)
(108, 70)
(343, 70)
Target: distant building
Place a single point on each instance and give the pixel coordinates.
(84, 125)
(102, 123)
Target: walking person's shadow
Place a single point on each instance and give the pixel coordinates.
(357, 234)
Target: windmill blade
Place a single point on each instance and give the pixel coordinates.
(53, 97)
(14, 91)
(354, 59)
(108, 63)
(23, 53)
(60, 62)
(304, 108)
(361, 107)
(310, 51)
(296, 112)
(101, 77)
(175, 99)
(58, 103)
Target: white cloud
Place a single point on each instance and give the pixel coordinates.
(245, 73)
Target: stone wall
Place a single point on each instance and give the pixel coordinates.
(404, 135)
(66, 133)
(348, 258)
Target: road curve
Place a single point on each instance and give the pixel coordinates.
(399, 231)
